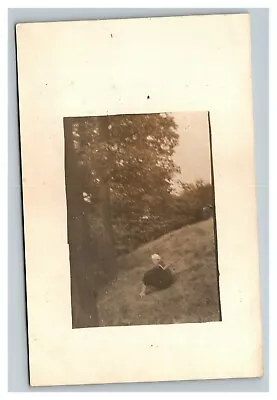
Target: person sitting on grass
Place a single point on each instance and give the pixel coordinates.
(157, 278)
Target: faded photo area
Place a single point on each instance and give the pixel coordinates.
(141, 219)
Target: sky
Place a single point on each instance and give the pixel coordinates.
(193, 152)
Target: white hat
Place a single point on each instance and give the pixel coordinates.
(156, 257)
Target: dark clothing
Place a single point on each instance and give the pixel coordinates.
(158, 278)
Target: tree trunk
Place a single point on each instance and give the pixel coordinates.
(107, 243)
(83, 283)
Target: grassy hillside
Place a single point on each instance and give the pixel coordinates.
(192, 298)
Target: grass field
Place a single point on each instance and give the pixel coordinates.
(192, 298)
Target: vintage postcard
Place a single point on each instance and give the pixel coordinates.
(139, 197)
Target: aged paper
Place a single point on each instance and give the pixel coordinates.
(143, 66)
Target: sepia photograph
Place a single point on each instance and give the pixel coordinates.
(141, 219)
(139, 199)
